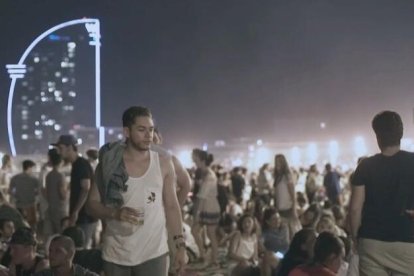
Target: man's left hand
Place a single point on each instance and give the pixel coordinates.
(181, 260)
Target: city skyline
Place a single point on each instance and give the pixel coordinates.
(52, 86)
(218, 70)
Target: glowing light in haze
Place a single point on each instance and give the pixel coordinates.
(185, 158)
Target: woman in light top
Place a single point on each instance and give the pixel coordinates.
(208, 210)
(285, 197)
(243, 251)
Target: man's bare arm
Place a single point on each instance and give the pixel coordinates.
(171, 205)
(183, 181)
(97, 209)
(355, 210)
(173, 213)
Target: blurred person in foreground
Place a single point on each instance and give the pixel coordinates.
(382, 202)
(61, 253)
(327, 257)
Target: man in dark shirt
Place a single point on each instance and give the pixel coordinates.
(382, 195)
(331, 184)
(24, 187)
(81, 178)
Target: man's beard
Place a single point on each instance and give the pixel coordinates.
(138, 147)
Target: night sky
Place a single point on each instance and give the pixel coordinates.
(226, 69)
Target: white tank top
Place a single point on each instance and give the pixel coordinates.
(129, 244)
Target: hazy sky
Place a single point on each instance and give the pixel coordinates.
(222, 69)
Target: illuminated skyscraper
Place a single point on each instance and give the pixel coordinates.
(55, 87)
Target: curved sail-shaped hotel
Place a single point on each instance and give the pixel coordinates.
(55, 88)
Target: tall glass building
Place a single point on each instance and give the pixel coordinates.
(55, 88)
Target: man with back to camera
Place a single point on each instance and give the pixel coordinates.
(135, 194)
(81, 178)
(25, 187)
(382, 201)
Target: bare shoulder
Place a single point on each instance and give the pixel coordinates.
(166, 163)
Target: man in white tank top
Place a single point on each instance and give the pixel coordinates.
(135, 239)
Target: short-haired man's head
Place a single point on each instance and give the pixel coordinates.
(326, 246)
(388, 128)
(28, 164)
(128, 118)
(76, 234)
(92, 154)
(66, 242)
(54, 157)
(204, 156)
(61, 251)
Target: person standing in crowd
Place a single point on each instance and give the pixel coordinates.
(331, 184)
(237, 184)
(81, 178)
(56, 193)
(135, 194)
(24, 187)
(285, 196)
(382, 203)
(311, 184)
(208, 210)
(5, 172)
(264, 180)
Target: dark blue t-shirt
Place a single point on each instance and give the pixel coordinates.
(389, 191)
(81, 169)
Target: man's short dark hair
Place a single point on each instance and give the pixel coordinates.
(76, 234)
(24, 236)
(326, 244)
(92, 154)
(67, 243)
(27, 164)
(388, 128)
(54, 157)
(128, 118)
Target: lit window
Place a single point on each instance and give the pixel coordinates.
(57, 127)
(38, 132)
(58, 74)
(25, 136)
(71, 45)
(72, 94)
(36, 59)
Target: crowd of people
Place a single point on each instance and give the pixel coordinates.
(139, 212)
